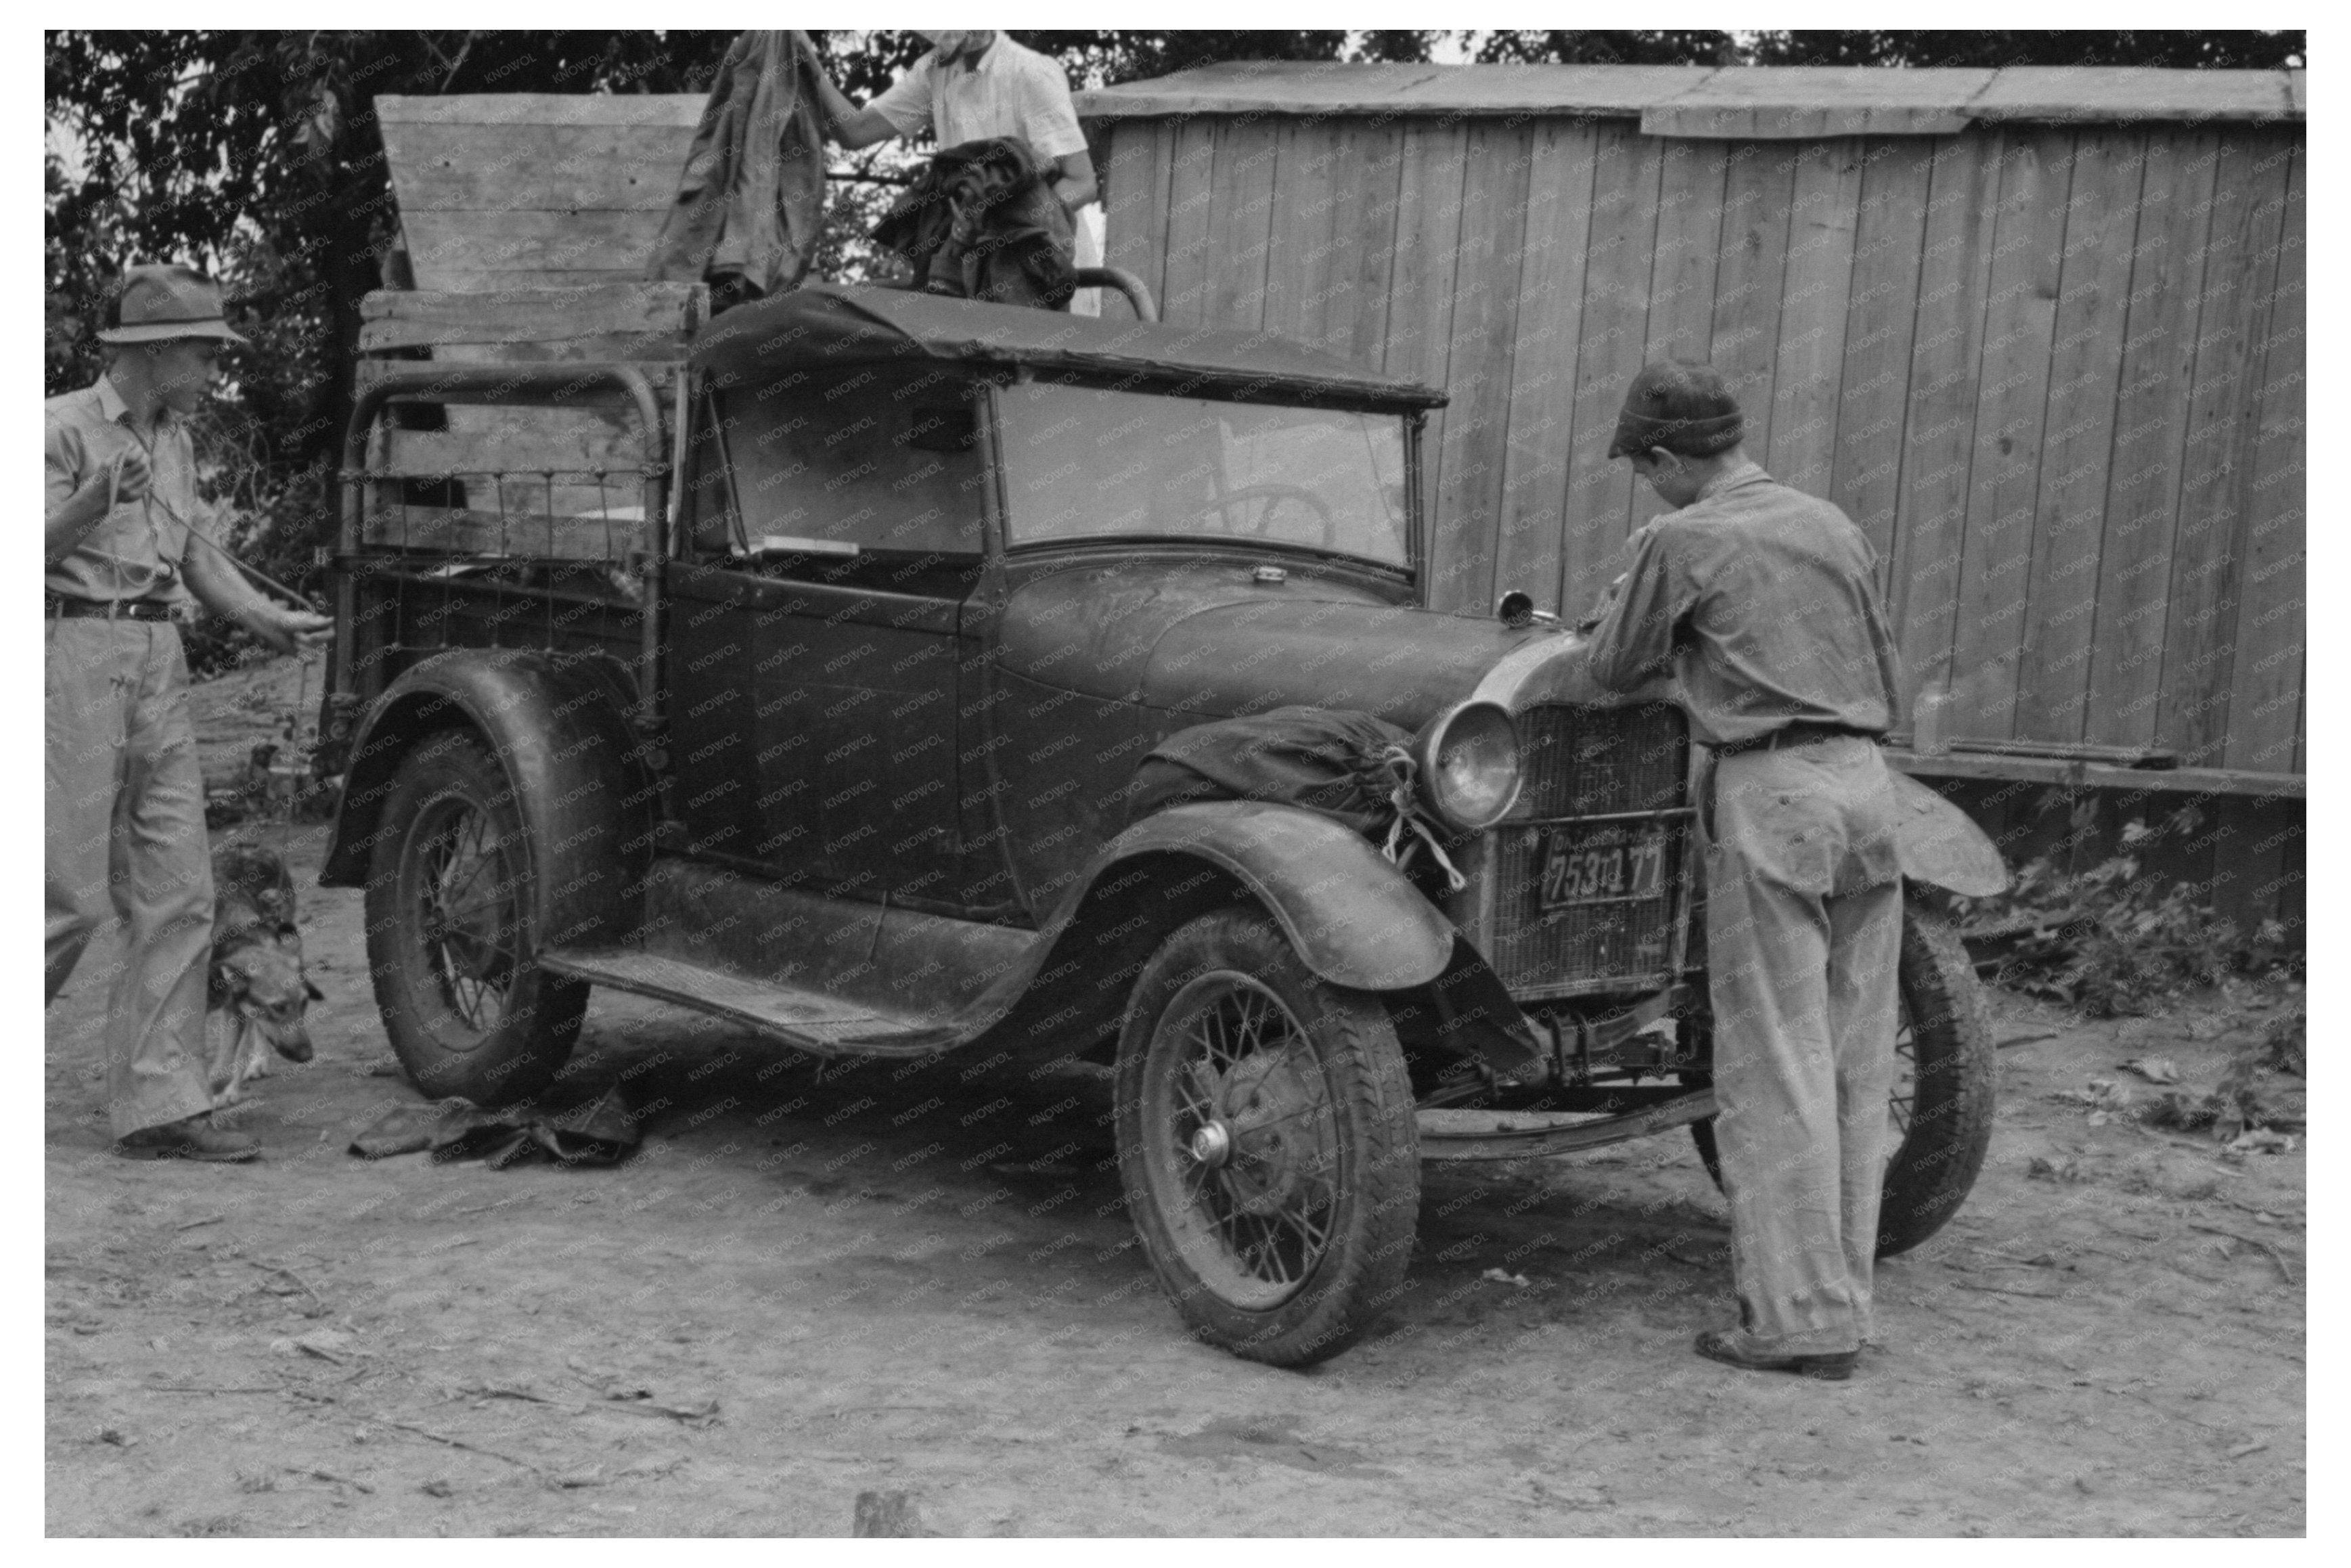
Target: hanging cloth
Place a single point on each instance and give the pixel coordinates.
(750, 200)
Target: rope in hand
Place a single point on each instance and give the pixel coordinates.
(259, 576)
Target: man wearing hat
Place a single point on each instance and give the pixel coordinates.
(125, 801)
(1762, 603)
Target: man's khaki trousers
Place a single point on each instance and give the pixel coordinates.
(1803, 928)
(125, 827)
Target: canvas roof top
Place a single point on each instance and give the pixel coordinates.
(827, 324)
(1741, 101)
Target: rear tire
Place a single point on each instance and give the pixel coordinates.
(1266, 1143)
(1941, 1107)
(452, 934)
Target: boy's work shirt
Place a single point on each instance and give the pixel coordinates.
(1762, 601)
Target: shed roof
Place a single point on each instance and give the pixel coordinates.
(829, 324)
(1741, 101)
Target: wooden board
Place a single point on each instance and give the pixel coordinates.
(506, 109)
(1541, 416)
(1610, 352)
(2266, 678)
(1749, 277)
(1421, 290)
(2151, 429)
(396, 319)
(488, 533)
(2216, 463)
(1938, 436)
(466, 167)
(1688, 225)
(2085, 366)
(1770, 98)
(1135, 215)
(1192, 195)
(442, 245)
(1882, 318)
(1816, 303)
(2133, 94)
(1300, 246)
(1489, 263)
(2011, 402)
(1241, 224)
(522, 441)
(1320, 86)
(1781, 104)
(1371, 176)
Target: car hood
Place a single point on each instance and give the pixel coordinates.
(1210, 641)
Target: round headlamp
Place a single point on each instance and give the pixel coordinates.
(1469, 766)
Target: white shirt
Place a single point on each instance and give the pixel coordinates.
(1009, 90)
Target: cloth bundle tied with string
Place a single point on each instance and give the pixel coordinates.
(1345, 765)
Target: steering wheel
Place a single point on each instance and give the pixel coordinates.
(1273, 495)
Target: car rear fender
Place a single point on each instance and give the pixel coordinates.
(559, 729)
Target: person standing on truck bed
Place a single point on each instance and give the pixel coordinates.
(124, 798)
(972, 87)
(1763, 604)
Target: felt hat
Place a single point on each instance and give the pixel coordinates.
(163, 302)
(1681, 407)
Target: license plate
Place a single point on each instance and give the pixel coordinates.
(1614, 864)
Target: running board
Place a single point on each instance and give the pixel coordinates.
(807, 1019)
(1504, 1136)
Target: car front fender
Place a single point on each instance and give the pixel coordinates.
(1939, 843)
(1354, 919)
(557, 726)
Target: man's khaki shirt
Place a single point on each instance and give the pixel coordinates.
(136, 552)
(1763, 603)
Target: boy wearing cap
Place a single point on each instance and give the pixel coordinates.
(124, 798)
(1762, 603)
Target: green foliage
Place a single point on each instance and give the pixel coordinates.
(2112, 939)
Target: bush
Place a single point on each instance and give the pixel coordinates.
(2112, 939)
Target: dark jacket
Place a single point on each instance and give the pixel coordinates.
(982, 223)
(751, 201)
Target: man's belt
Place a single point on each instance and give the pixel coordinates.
(1796, 734)
(106, 609)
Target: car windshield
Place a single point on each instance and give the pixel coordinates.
(1082, 462)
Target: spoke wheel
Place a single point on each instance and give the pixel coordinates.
(1938, 1113)
(451, 941)
(1266, 1143)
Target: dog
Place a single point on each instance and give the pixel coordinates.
(257, 981)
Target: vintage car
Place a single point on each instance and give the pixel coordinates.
(838, 741)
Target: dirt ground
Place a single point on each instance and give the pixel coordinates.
(808, 1286)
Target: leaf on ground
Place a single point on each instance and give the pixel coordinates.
(2154, 1068)
(1504, 1277)
(2043, 1169)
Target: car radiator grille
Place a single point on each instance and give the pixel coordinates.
(1610, 922)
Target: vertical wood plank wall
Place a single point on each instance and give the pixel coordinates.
(2054, 372)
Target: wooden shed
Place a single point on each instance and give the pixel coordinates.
(2038, 330)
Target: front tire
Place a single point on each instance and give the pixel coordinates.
(1941, 1111)
(452, 934)
(1266, 1143)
